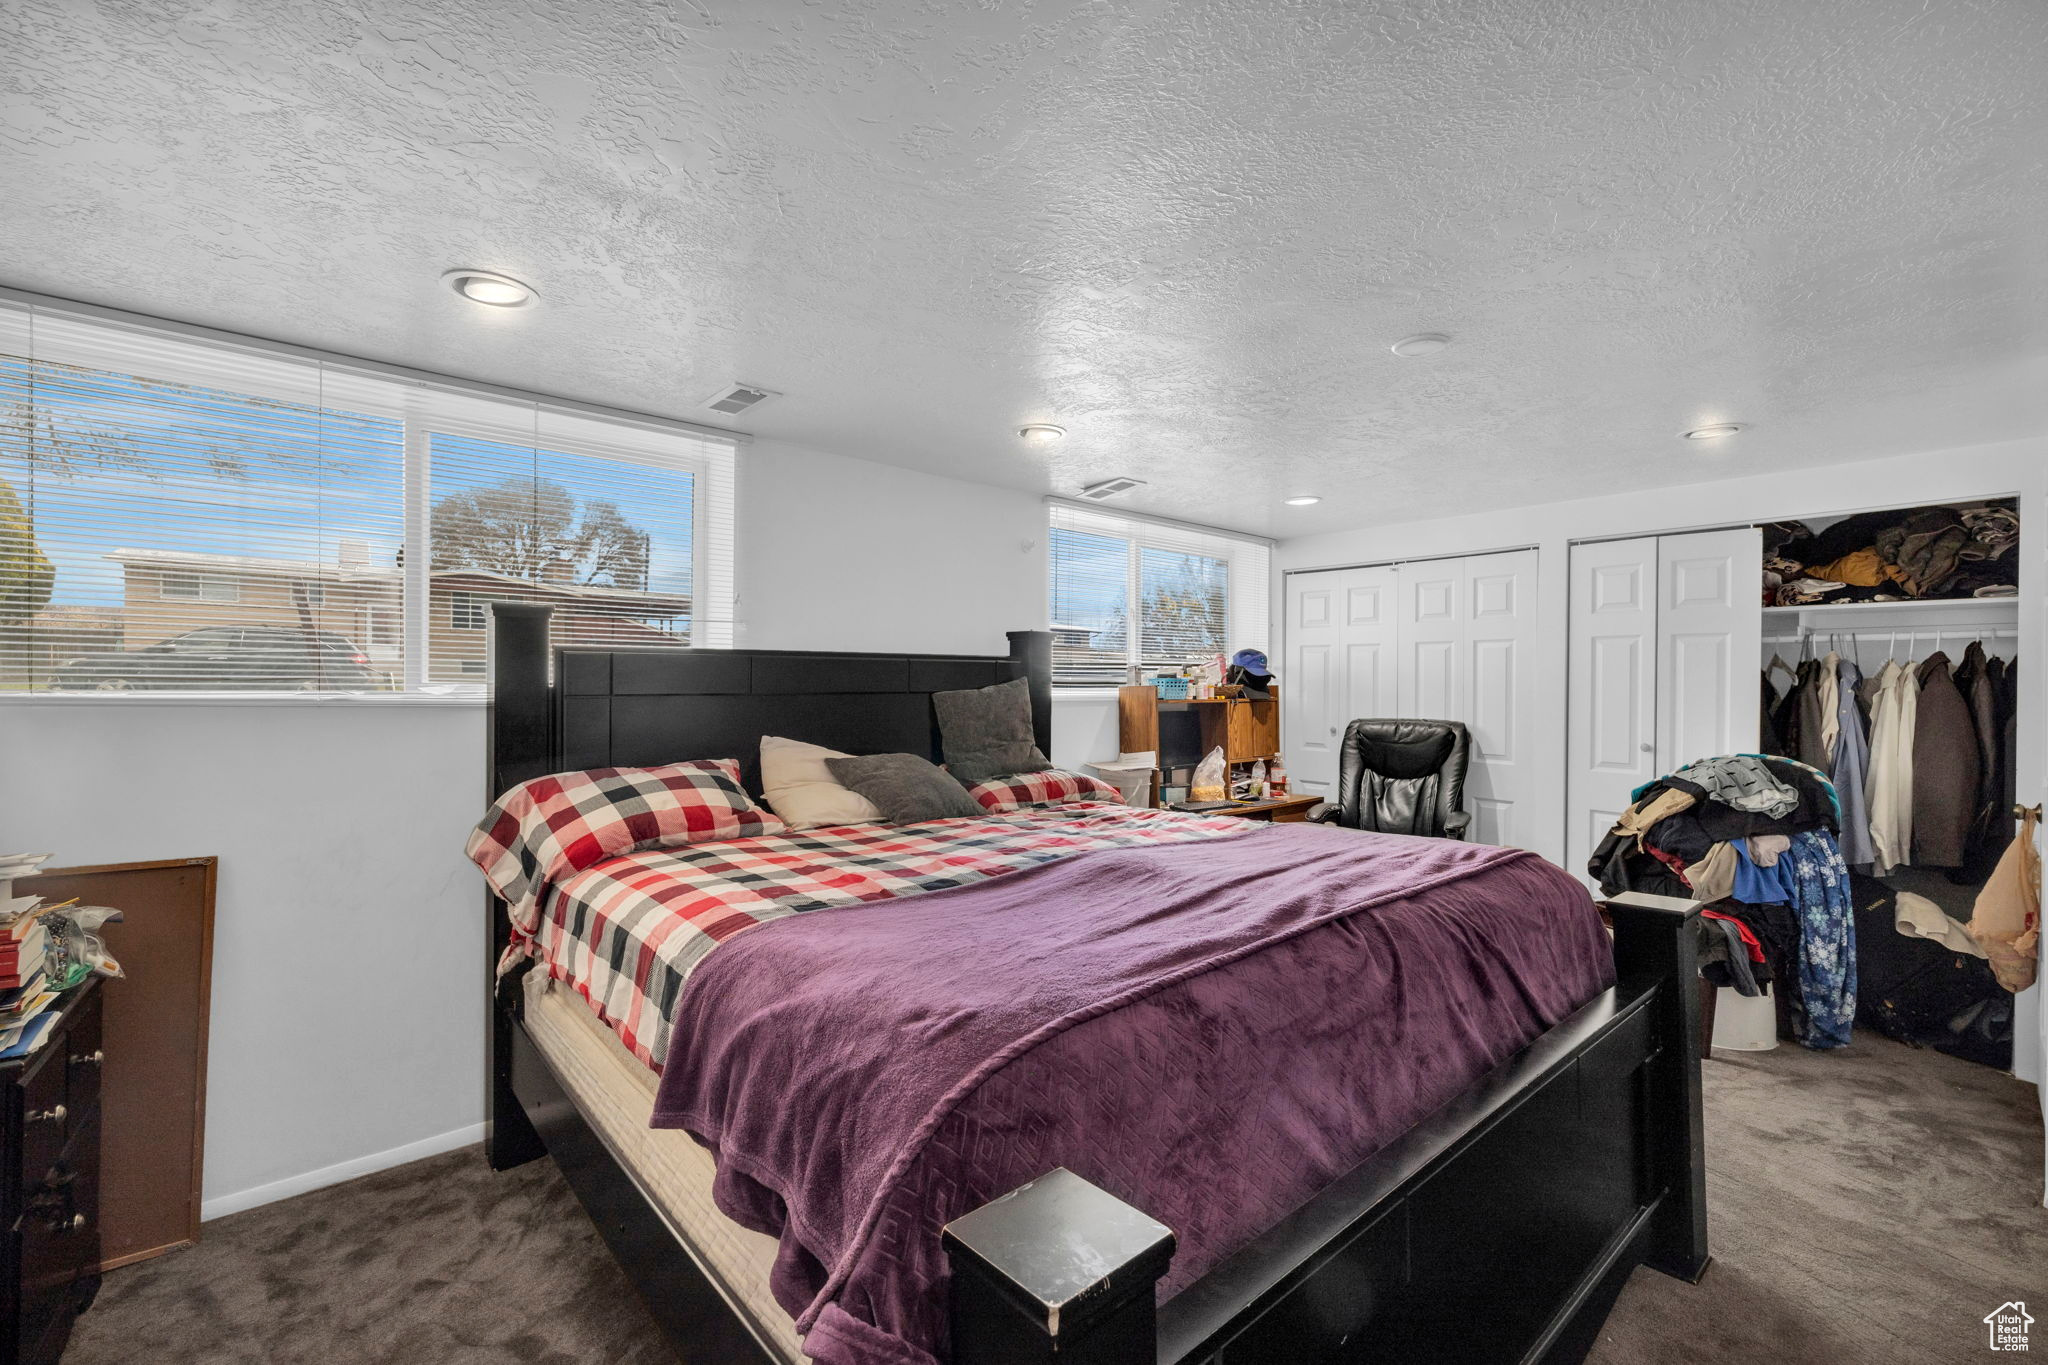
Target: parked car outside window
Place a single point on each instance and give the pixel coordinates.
(227, 659)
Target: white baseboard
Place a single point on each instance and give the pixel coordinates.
(226, 1204)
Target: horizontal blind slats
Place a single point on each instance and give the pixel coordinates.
(181, 514)
(1129, 592)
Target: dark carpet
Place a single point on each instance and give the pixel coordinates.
(1868, 1205)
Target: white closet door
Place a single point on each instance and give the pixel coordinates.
(1340, 665)
(1709, 644)
(1503, 790)
(1312, 680)
(1432, 685)
(1611, 719)
(1371, 633)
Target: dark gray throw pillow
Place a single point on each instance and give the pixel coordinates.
(904, 787)
(986, 732)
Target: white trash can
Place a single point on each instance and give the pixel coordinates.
(1745, 1023)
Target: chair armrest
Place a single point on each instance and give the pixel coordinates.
(1457, 823)
(1324, 814)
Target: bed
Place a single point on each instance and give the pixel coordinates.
(1513, 1183)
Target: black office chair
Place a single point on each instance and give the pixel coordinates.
(1402, 777)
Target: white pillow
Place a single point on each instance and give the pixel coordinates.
(798, 786)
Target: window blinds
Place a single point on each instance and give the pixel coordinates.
(188, 514)
(1130, 593)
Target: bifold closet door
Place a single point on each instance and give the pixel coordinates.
(1340, 665)
(1611, 712)
(1710, 627)
(1666, 636)
(1503, 790)
(1442, 639)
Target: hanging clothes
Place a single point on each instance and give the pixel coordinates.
(1827, 678)
(1813, 717)
(1852, 762)
(1767, 738)
(1888, 783)
(1990, 823)
(1827, 938)
(2006, 920)
(1944, 768)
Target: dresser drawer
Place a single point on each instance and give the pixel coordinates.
(58, 1236)
(82, 1059)
(45, 1114)
(61, 1092)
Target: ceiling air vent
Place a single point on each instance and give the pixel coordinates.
(737, 398)
(1110, 488)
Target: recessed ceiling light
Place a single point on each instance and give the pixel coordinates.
(1714, 432)
(489, 287)
(1305, 500)
(1419, 345)
(1040, 433)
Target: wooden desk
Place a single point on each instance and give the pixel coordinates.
(1280, 810)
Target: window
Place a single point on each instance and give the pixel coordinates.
(466, 611)
(154, 486)
(1134, 593)
(201, 587)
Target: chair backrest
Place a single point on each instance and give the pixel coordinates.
(1402, 776)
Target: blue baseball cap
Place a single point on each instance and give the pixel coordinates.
(1250, 660)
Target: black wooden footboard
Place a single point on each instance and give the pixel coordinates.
(1499, 1229)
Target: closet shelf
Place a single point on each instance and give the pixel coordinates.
(1927, 610)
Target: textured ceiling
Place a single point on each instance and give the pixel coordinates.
(1187, 232)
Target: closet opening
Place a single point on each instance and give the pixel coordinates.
(1890, 647)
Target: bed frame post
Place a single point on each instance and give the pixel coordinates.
(1031, 650)
(1058, 1270)
(521, 746)
(1656, 938)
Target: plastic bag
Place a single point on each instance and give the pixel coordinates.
(1210, 776)
(2006, 921)
(76, 948)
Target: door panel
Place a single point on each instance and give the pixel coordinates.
(1313, 683)
(1502, 789)
(1710, 643)
(1610, 742)
(1432, 629)
(1340, 662)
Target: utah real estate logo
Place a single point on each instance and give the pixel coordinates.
(2008, 1325)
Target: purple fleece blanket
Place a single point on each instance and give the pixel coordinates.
(1211, 1031)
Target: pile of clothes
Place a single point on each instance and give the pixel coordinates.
(1896, 556)
(1753, 835)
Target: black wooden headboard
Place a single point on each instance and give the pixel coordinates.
(633, 707)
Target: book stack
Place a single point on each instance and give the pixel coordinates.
(25, 994)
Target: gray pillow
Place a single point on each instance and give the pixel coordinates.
(986, 732)
(904, 787)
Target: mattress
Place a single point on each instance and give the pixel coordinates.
(616, 1094)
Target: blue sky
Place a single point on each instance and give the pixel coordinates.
(309, 480)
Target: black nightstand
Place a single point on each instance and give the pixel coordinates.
(49, 1184)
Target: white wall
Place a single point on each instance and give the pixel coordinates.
(836, 553)
(1689, 503)
(347, 1029)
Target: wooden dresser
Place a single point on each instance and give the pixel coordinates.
(49, 1186)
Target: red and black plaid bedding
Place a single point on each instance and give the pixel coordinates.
(1046, 787)
(627, 932)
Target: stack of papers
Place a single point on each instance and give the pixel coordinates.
(25, 994)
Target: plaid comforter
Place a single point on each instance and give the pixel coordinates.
(627, 932)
